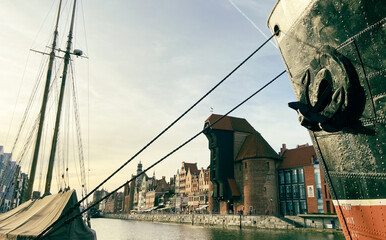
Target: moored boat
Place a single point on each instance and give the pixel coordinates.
(31, 218)
(47, 216)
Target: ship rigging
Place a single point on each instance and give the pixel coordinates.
(30, 218)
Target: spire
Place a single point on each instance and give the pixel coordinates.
(139, 168)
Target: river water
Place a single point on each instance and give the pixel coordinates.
(116, 229)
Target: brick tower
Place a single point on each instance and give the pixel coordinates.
(243, 168)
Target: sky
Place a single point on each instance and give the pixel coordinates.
(148, 61)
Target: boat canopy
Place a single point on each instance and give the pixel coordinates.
(32, 217)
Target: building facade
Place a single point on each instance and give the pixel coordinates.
(13, 182)
(242, 168)
(203, 180)
(98, 195)
(302, 188)
(157, 193)
(114, 203)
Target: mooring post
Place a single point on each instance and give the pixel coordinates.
(193, 218)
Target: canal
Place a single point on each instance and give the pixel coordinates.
(116, 229)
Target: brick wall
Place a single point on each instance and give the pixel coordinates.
(327, 201)
(260, 186)
(213, 205)
(309, 178)
(223, 207)
(238, 170)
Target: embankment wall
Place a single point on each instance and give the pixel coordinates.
(210, 220)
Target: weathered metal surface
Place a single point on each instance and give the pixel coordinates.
(335, 55)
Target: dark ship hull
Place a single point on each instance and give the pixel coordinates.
(334, 52)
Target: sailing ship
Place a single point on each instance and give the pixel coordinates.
(34, 216)
(334, 53)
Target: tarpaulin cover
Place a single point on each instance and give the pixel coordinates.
(32, 217)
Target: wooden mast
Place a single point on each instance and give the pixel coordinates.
(42, 111)
(67, 57)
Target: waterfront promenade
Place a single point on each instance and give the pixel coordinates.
(238, 221)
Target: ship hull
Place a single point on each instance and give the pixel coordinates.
(364, 217)
(335, 56)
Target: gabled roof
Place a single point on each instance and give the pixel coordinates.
(192, 167)
(205, 173)
(301, 156)
(230, 123)
(157, 185)
(255, 146)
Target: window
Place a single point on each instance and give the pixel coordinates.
(283, 208)
(294, 176)
(328, 206)
(267, 165)
(281, 177)
(287, 177)
(303, 207)
(265, 189)
(246, 177)
(289, 208)
(282, 192)
(296, 208)
(268, 177)
(295, 191)
(301, 175)
(318, 182)
(302, 191)
(319, 193)
(288, 191)
(325, 192)
(245, 165)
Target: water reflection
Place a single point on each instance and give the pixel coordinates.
(116, 229)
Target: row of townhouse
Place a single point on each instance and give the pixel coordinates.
(192, 192)
(297, 178)
(186, 191)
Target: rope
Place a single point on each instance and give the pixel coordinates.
(162, 132)
(78, 135)
(150, 167)
(175, 121)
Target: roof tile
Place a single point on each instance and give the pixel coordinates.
(255, 146)
(230, 123)
(301, 156)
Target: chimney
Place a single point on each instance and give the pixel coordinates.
(283, 148)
